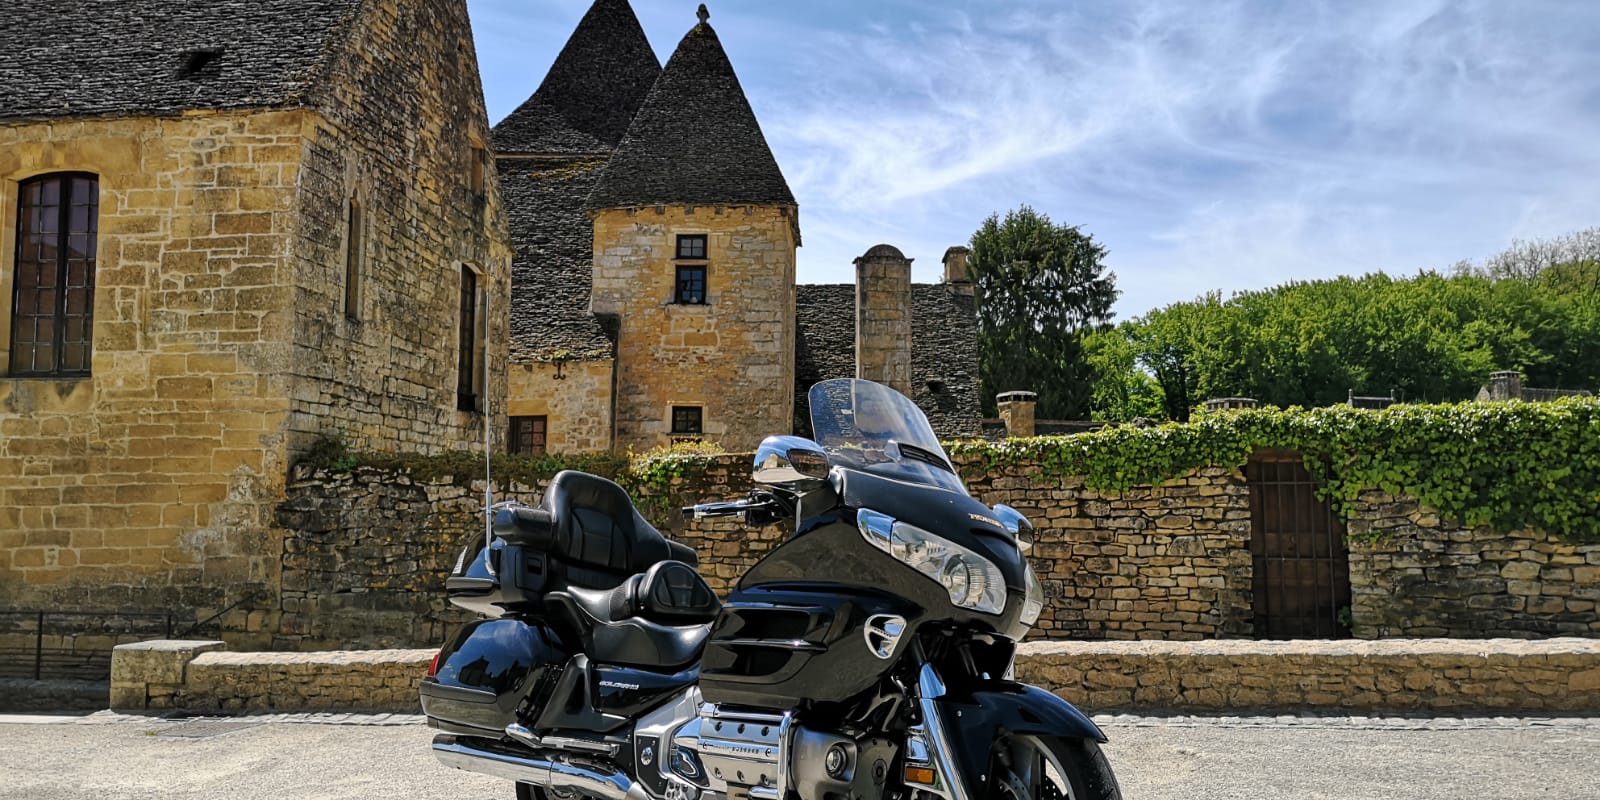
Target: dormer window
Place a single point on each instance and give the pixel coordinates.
(196, 62)
(689, 285)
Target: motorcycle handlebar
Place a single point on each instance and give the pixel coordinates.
(712, 510)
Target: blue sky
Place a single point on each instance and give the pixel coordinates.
(1209, 145)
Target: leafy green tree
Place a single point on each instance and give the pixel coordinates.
(1123, 391)
(1040, 288)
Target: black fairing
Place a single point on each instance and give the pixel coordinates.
(955, 516)
(783, 647)
(975, 719)
(831, 545)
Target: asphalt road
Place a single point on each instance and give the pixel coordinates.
(318, 757)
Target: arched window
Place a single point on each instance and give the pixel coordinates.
(52, 304)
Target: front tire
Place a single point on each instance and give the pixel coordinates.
(1051, 768)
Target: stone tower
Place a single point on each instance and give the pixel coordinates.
(883, 317)
(550, 153)
(695, 232)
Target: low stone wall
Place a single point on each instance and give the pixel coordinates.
(1391, 676)
(1428, 675)
(201, 676)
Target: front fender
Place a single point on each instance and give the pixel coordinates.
(974, 719)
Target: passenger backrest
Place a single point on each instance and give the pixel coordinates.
(672, 593)
(599, 535)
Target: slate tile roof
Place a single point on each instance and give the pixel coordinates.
(552, 269)
(695, 141)
(71, 58)
(591, 93)
(944, 350)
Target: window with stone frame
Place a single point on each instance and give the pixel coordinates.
(52, 311)
(688, 423)
(528, 435)
(689, 283)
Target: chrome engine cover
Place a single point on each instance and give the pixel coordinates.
(738, 754)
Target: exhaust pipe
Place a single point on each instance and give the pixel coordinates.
(558, 772)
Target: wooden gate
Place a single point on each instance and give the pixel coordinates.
(1302, 567)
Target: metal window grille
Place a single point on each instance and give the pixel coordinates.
(52, 312)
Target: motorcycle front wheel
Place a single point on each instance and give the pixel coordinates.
(1051, 768)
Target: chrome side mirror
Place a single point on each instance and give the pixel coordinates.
(790, 462)
(1015, 524)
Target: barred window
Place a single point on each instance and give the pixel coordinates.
(52, 312)
(687, 420)
(527, 435)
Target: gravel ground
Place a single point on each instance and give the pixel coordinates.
(317, 757)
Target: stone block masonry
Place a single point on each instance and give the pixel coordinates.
(365, 554)
(730, 355)
(1415, 575)
(1499, 676)
(223, 342)
(1166, 562)
(1429, 675)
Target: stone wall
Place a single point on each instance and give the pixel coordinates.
(732, 356)
(1430, 675)
(403, 134)
(574, 397)
(203, 676)
(363, 558)
(222, 346)
(1168, 562)
(1415, 575)
(151, 480)
(1501, 676)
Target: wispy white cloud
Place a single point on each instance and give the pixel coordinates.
(1226, 145)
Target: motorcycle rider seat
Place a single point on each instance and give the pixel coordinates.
(669, 593)
(589, 525)
(657, 619)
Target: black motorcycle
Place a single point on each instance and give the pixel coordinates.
(868, 657)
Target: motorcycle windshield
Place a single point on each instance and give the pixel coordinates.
(870, 427)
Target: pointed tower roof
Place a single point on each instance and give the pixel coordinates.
(695, 141)
(592, 91)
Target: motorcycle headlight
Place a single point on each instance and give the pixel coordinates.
(1033, 604)
(973, 581)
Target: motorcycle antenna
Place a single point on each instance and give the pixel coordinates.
(488, 461)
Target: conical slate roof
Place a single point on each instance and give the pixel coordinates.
(695, 141)
(592, 91)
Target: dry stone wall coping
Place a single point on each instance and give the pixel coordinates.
(1430, 675)
(1454, 676)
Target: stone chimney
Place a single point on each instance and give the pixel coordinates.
(1016, 411)
(883, 318)
(1505, 385)
(955, 269)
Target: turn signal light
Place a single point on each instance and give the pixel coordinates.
(921, 775)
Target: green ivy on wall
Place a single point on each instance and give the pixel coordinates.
(1507, 465)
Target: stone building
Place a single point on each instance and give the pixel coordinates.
(229, 230)
(654, 279)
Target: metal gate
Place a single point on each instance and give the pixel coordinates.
(1302, 567)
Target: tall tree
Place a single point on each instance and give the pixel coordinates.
(1040, 288)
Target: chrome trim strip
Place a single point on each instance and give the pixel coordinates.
(929, 689)
(556, 774)
(785, 735)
